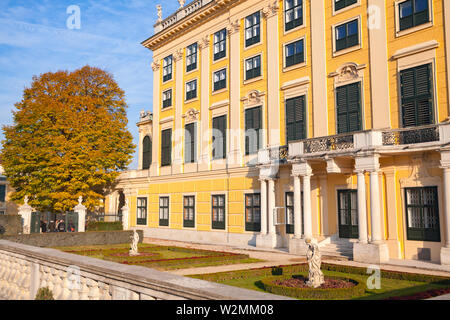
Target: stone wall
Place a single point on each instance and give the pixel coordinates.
(10, 225)
(68, 239)
(25, 269)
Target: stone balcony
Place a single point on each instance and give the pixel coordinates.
(394, 140)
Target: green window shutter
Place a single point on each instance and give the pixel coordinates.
(219, 141)
(166, 147)
(348, 100)
(190, 145)
(2, 193)
(416, 96)
(146, 153)
(253, 122)
(295, 119)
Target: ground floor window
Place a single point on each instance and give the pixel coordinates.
(290, 219)
(142, 211)
(164, 211)
(218, 212)
(422, 214)
(189, 212)
(348, 214)
(253, 212)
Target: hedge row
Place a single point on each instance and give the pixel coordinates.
(269, 285)
(104, 226)
(297, 268)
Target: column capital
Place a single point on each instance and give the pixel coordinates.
(204, 43)
(155, 66)
(233, 27)
(271, 10)
(178, 55)
(367, 163)
(302, 169)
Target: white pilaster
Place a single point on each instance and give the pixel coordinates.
(273, 75)
(447, 47)
(154, 170)
(375, 212)
(263, 207)
(297, 208)
(179, 99)
(446, 173)
(362, 214)
(271, 207)
(234, 157)
(307, 206)
(204, 101)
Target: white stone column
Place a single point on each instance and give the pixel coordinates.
(375, 210)
(362, 212)
(271, 206)
(307, 206)
(234, 157)
(298, 218)
(204, 136)
(273, 72)
(81, 210)
(126, 215)
(447, 48)
(25, 211)
(263, 207)
(446, 172)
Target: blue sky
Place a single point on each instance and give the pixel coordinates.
(34, 39)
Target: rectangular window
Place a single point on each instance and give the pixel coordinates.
(2, 193)
(293, 13)
(190, 150)
(417, 96)
(191, 57)
(252, 29)
(253, 212)
(167, 98)
(347, 35)
(167, 68)
(295, 118)
(218, 212)
(290, 219)
(252, 67)
(220, 44)
(253, 132)
(422, 214)
(166, 147)
(341, 4)
(348, 101)
(191, 90)
(220, 79)
(413, 13)
(164, 211)
(295, 53)
(142, 211)
(219, 137)
(189, 212)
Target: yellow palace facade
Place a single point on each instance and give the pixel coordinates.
(279, 121)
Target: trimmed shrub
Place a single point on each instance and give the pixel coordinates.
(104, 226)
(44, 294)
(269, 285)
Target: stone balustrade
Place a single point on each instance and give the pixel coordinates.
(24, 269)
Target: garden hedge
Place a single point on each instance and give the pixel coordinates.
(269, 285)
(104, 226)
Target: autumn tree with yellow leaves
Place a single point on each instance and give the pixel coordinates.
(69, 139)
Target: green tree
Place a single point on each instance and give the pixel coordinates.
(69, 139)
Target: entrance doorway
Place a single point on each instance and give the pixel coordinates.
(348, 214)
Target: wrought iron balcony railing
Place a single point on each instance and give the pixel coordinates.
(331, 143)
(411, 135)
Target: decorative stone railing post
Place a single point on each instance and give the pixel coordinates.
(25, 212)
(81, 210)
(125, 215)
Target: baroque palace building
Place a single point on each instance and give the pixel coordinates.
(279, 121)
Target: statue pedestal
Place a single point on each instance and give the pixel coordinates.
(298, 246)
(370, 253)
(269, 241)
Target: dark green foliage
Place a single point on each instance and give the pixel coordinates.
(104, 226)
(44, 294)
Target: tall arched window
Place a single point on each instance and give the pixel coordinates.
(146, 153)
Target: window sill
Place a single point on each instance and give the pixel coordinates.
(167, 81)
(219, 60)
(192, 71)
(295, 66)
(358, 4)
(253, 45)
(166, 109)
(347, 50)
(220, 91)
(253, 80)
(294, 29)
(413, 29)
(190, 101)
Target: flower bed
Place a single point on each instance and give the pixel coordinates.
(273, 285)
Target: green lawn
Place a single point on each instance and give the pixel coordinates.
(390, 287)
(160, 257)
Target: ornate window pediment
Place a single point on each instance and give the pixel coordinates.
(191, 115)
(253, 97)
(348, 72)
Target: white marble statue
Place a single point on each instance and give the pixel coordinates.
(159, 9)
(315, 277)
(181, 2)
(134, 244)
